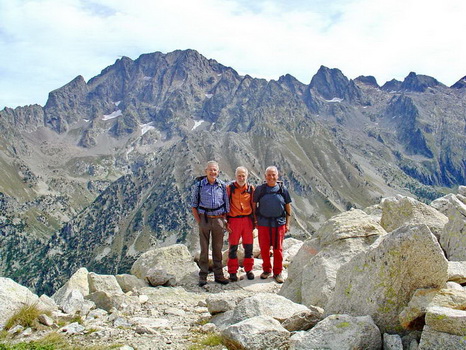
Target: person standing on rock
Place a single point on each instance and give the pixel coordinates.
(240, 223)
(272, 203)
(209, 203)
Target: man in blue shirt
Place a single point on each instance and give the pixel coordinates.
(273, 211)
(210, 205)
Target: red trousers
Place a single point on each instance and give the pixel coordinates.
(271, 237)
(240, 228)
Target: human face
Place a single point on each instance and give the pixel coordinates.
(211, 172)
(241, 177)
(271, 177)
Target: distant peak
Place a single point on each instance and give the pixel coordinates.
(460, 84)
(419, 83)
(367, 80)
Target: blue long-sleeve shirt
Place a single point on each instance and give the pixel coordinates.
(211, 196)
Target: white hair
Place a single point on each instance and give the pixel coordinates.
(241, 168)
(211, 162)
(271, 168)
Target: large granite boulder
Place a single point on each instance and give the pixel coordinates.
(400, 211)
(13, 296)
(257, 333)
(340, 332)
(103, 283)
(175, 260)
(412, 317)
(435, 340)
(381, 281)
(311, 278)
(266, 304)
(78, 281)
(453, 238)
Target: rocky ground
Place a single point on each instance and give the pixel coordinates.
(169, 318)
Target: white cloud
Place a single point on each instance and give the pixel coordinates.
(49, 42)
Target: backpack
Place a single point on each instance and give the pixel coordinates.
(262, 193)
(198, 180)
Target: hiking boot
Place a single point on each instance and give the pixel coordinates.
(265, 275)
(233, 277)
(202, 282)
(250, 275)
(278, 278)
(222, 280)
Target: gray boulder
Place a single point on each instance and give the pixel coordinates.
(340, 332)
(175, 260)
(265, 304)
(292, 288)
(446, 320)
(78, 281)
(453, 239)
(457, 271)
(103, 283)
(13, 296)
(400, 211)
(412, 316)
(434, 340)
(304, 320)
(257, 333)
(159, 277)
(130, 283)
(222, 302)
(392, 342)
(312, 277)
(381, 281)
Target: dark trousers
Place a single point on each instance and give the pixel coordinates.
(212, 229)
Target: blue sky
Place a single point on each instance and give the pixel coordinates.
(46, 43)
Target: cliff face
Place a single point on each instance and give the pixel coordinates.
(105, 167)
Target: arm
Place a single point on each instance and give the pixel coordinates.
(196, 215)
(288, 216)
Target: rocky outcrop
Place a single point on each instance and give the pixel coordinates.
(340, 332)
(380, 281)
(312, 275)
(401, 210)
(453, 239)
(256, 333)
(175, 260)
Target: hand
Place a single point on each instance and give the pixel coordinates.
(287, 228)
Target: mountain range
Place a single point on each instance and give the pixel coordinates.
(103, 171)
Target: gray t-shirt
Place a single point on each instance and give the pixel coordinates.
(272, 200)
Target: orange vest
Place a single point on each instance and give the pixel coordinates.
(240, 200)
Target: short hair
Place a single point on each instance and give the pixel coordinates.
(241, 168)
(211, 162)
(272, 167)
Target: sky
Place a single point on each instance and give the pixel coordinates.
(44, 44)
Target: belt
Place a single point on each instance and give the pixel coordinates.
(214, 216)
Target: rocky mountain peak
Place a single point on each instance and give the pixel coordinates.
(418, 83)
(332, 84)
(460, 84)
(392, 85)
(63, 104)
(367, 80)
